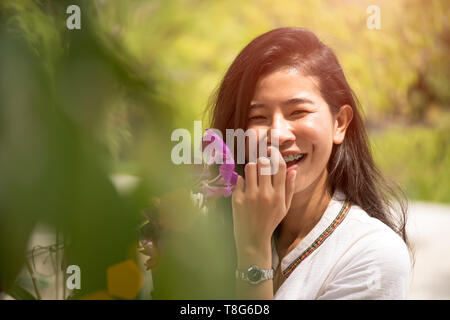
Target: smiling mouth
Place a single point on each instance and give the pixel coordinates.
(294, 159)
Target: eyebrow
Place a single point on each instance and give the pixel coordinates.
(292, 101)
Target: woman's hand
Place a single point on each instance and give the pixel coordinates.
(259, 204)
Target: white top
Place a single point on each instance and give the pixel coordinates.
(361, 259)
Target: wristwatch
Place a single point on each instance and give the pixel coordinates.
(254, 274)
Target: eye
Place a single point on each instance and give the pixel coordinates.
(298, 112)
(256, 118)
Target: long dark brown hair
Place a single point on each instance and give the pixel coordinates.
(351, 166)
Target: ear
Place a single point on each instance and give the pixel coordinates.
(341, 122)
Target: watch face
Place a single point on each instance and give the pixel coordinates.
(254, 274)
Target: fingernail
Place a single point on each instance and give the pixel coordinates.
(264, 161)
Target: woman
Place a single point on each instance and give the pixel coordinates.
(322, 226)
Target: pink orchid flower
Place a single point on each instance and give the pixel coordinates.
(224, 183)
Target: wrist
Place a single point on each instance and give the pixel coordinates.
(254, 255)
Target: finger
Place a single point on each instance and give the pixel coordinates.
(290, 187)
(238, 194)
(251, 177)
(279, 178)
(264, 177)
(239, 189)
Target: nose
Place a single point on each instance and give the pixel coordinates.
(281, 129)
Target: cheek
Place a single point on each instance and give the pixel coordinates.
(316, 133)
(316, 139)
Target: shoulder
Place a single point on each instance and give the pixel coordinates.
(373, 240)
(375, 263)
(373, 234)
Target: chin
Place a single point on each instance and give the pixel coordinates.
(301, 185)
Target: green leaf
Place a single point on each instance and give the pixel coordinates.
(20, 293)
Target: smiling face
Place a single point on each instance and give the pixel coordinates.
(291, 102)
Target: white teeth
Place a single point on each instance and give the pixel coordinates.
(293, 158)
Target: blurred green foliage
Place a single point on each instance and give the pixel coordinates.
(79, 105)
(56, 87)
(417, 158)
(70, 102)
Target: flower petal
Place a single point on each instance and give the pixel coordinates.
(213, 192)
(223, 153)
(228, 173)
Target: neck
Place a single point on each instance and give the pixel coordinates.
(307, 207)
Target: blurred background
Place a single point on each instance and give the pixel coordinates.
(86, 117)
